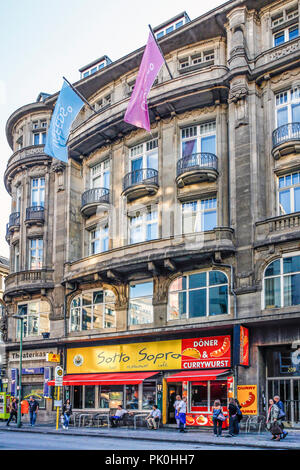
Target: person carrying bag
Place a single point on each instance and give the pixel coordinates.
(218, 418)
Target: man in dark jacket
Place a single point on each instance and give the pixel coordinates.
(233, 418)
(33, 409)
(13, 411)
(280, 405)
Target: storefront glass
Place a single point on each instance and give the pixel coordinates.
(35, 390)
(203, 394)
(89, 396)
(198, 395)
(132, 397)
(149, 395)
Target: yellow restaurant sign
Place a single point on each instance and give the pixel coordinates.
(193, 353)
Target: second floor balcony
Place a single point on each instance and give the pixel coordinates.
(93, 200)
(277, 229)
(35, 215)
(286, 140)
(196, 168)
(139, 183)
(13, 222)
(29, 281)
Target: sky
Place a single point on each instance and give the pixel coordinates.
(42, 41)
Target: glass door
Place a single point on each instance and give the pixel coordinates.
(174, 389)
(289, 391)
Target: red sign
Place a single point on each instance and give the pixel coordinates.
(206, 353)
(244, 346)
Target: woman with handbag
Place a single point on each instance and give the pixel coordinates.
(218, 418)
(272, 421)
(67, 411)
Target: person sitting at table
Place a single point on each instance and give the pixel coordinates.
(117, 416)
(153, 417)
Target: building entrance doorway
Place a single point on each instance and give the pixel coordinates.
(173, 390)
(289, 391)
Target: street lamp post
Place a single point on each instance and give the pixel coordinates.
(19, 424)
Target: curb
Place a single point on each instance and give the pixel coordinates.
(146, 438)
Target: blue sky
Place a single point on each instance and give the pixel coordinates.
(42, 41)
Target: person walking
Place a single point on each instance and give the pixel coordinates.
(233, 419)
(33, 409)
(281, 417)
(239, 415)
(176, 403)
(272, 421)
(181, 410)
(153, 417)
(218, 418)
(67, 411)
(13, 411)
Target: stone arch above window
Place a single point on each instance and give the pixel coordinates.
(281, 282)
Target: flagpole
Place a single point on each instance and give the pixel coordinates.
(160, 50)
(80, 95)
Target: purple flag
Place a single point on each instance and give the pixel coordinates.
(137, 110)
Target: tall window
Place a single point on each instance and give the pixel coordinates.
(93, 309)
(36, 318)
(16, 249)
(18, 199)
(198, 295)
(288, 107)
(38, 192)
(36, 253)
(140, 310)
(100, 175)
(144, 155)
(282, 283)
(289, 193)
(196, 139)
(143, 226)
(199, 216)
(98, 240)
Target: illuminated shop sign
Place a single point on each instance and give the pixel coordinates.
(195, 353)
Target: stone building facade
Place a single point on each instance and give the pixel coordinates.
(185, 233)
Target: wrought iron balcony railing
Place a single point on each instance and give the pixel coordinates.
(197, 161)
(286, 133)
(35, 213)
(14, 220)
(94, 196)
(142, 176)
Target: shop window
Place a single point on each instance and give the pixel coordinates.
(132, 397)
(36, 319)
(140, 303)
(198, 295)
(77, 397)
(113, 395)
(199, 396)
(35, 390)
(89, 396)
(203, 394)
(149, 395)
(218, 391)
(282, 283)
(93, 309)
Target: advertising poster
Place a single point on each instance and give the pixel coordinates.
(241, 346)
(247, 397)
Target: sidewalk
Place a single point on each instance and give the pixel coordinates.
(251, 440)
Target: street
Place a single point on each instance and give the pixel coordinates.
(29, 441)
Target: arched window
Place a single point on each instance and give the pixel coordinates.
(282, 282)
(198, 295)
(93, 309)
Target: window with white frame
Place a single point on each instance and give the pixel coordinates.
(199, 215)
(289, 32)
(287, 106)
(140, 310)
(143, 226)
(36, 318)
(98, 239)
(38, 192)
(289, 193)
(198, 139)
(93, 310)
(204, 58)
(199, 294)
(172, 26)
(286, 34)
(144, 155)
(36, 253)
(282, 282)
(16, 251)
(39, 138)
(100, 175)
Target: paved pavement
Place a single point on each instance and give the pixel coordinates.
(250, 440)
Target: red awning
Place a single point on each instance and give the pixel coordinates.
(190, 375)
(130, 378)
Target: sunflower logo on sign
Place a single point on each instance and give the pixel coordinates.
(78, 360)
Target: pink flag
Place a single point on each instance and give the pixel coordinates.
(137, 110)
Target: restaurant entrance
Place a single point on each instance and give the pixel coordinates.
(174, 389)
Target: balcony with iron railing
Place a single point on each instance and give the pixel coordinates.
(35, 215)
(196, 168)
(13, 224)
(94, 200)
(286, 140)
(140, 183)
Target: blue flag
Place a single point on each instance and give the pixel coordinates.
(67, 107)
